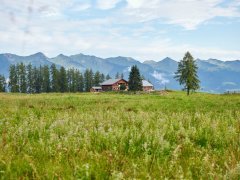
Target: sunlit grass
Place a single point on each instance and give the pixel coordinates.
(119, 136)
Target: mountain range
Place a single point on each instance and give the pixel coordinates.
(216, 76)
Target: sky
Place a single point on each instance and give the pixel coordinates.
(142, 29)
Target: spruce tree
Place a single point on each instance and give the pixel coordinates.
(54, 78)
(36, 80)
(46, 79)
(63, 80)
(30, 80)
(2, 84)
(13, 79)
(102, 78)
(186, 74)
(122, 76)
(97, 78)
(108, 77)
(21, 69)
(88, 78)
(69, 80)
(80, 81)
(135, 80)
(117, 76)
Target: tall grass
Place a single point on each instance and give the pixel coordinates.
(118, 136)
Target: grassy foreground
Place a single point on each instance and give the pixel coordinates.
(116, 136)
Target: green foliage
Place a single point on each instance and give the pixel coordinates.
(108, 77)
(21, 69)
(89, 79)
(135, 80)
(63, 86)
(97, 79)
(123, 87)
(187, 73)
(46, 84)
(28, 79)
(13, 79)
(119, 136)
(2, 84)
(55, 78)
(117, 76)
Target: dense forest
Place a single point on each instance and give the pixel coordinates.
(44, 79)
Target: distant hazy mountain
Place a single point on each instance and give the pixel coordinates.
(216, 76)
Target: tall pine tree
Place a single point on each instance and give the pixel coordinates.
(54, 78)
(13, 79)
(46, 85)
(80, 81)
(186, 73)
(108, 77)
(36, 80)
(2, 84)
(21, 69)
(102, 79)
(88, 78)
(135, 80)
(63, 80)
(30, 80)
(97, 78)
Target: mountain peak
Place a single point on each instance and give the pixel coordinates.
(39, 54)
(149, 62)
(167, 59)
(62, 56)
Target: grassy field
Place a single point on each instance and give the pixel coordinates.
(117, 136)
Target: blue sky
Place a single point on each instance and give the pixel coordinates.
(142, 29)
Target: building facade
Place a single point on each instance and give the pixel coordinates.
(147, 86)
(114, 85)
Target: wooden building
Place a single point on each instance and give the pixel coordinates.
(114, 85)
(96, 89)
(147, 86)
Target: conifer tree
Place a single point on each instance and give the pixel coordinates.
(88, 78)
(108, 77)
(46, 79)
(97, 78)
(102, 78)
(30, 80)
(135, 80)
(122, 76)
(117, 76)
(21, 69)
(63, 80)
(36, 80)
(13, 79)
(2, 84)
(54, 78)
(186, 73)
(80, 81)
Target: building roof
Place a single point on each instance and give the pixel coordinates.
(99, 88)
(146, 83)
(111, 81)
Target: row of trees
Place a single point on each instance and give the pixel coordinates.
(29, 79)
(186, 75)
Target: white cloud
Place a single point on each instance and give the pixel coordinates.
(46, 28)
(160, 77)
(186, 13)
(107, 4)
(81, 7)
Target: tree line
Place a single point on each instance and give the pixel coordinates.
(29, 79)
(44, 79)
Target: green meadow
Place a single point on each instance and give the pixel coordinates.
(119, 136)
